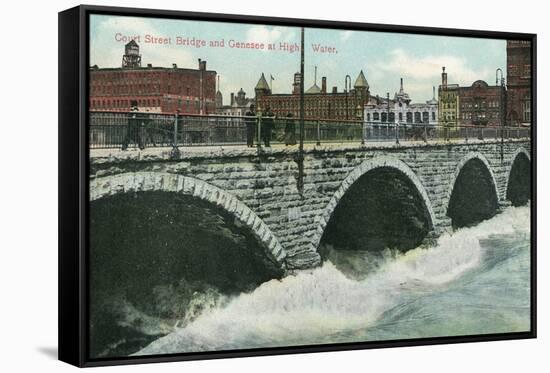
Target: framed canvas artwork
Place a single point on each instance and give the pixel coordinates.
(239, 185)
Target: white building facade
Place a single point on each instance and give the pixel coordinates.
(401, 110)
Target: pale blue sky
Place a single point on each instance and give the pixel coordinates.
(383, 57)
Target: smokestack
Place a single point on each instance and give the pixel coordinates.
(444, 78)
(232, 98)
(324, 84)
(296, 84)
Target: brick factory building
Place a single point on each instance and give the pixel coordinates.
(155, 89)
(518, 65)
(318, 103)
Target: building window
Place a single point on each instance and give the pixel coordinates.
(425, 117)
(401, 117)
(526, 109)
(433, 115)
(417, 117)
(368, 117)
(409, 117)
(391, 118)
(375, 117)
(384, 117)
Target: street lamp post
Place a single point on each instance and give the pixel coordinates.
(501, 109)
(302, 112)
(388, 119)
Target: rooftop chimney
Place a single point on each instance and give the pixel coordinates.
(149, 65)
(202, 65)
(324, 84)
(232, 98)
(334, 89)
(174, 66)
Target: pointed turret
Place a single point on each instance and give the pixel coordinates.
(262, 84)
(262, 89)
(361, 81)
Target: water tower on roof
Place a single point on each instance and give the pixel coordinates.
(131, 58)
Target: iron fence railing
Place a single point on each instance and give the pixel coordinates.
(138, 129)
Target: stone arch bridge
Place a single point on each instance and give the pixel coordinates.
(259, 188)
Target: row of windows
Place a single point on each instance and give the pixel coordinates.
(145, 77)
(448, 105)
(123, 103)
(475, 116)
(419, 117)
(125, 88)
(480, 105)
(311, 105)
(143, 89)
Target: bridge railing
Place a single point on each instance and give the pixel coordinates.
(140, 129)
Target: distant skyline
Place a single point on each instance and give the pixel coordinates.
(383, 57)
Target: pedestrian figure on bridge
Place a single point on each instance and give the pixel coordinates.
(134, 128)
(290, 130)
(149, 130)
(267, 126)
(250, 120)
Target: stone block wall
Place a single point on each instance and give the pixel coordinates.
(261, 188)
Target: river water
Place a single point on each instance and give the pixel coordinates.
(473, 281)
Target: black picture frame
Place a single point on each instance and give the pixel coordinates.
(74, 183)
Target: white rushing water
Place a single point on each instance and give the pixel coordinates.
(475, 280)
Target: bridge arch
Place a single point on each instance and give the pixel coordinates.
(480, 159)
(356, 174)
(168, 182)
(519, 155)
(460, 166)
(513, 158)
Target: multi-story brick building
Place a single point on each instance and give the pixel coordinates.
(155, 89)
(480, 104)
(318, 103)
(518, 63)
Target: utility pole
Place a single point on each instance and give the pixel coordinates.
(388, 119)
(301, 149)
